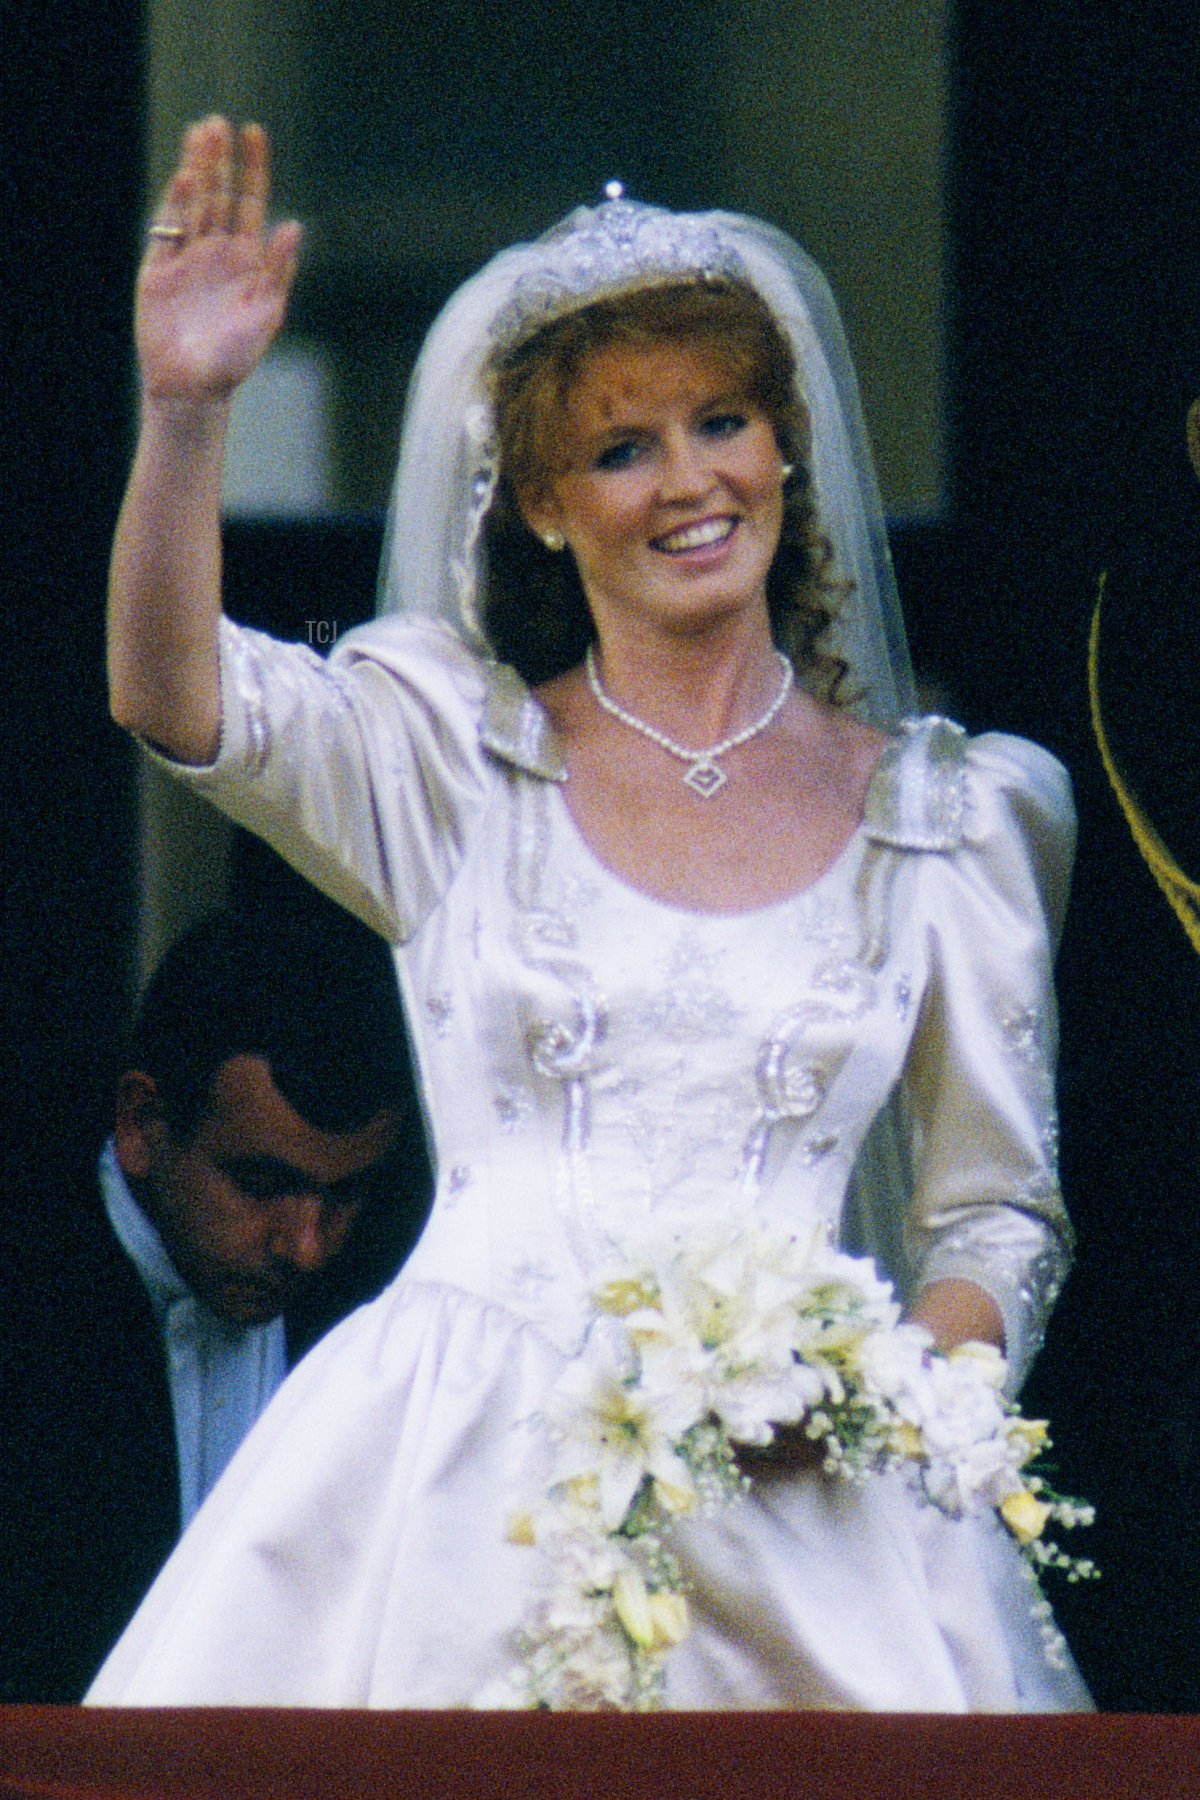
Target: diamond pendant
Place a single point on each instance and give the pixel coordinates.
(705, 778)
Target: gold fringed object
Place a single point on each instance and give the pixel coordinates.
(1193, 435)
(1183, 894)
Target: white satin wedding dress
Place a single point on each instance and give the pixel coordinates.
(595, 1060)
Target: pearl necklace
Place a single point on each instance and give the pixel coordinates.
(703, 777)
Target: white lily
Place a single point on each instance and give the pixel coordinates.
(613, 1429)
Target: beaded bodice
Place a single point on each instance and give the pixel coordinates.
(654, 1069)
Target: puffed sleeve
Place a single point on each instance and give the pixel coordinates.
(979, 1083)
(365, 771)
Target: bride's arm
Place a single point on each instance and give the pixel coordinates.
(987, 1235)
(364, 771)
(212, 295)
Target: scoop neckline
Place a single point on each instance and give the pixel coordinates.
(827, 876)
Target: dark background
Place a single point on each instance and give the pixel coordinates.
(1074, 179)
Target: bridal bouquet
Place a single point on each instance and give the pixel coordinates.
(699, 1348)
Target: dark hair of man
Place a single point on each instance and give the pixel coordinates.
(535, 613)
(314, 996)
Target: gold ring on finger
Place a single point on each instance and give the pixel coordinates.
(167, 234)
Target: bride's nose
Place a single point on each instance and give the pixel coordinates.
(686, 469)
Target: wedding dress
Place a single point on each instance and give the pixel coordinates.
(598, 1062)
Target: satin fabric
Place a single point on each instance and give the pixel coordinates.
(594, 1062)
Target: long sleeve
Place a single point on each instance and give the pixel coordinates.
(979, 1086)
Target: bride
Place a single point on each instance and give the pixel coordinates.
(690, 928)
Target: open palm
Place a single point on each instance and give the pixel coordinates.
(214, 285)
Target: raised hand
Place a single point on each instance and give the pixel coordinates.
(214, 284)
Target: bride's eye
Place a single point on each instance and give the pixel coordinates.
(724, 424)
(617, 456)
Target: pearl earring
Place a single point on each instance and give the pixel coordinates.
(554, 540)
(787, 471)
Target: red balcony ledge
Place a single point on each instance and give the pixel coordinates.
(75, 1753)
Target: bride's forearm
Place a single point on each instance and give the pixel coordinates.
(164, 598)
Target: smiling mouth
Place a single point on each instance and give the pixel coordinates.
(701, 536)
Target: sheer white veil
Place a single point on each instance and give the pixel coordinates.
(447, 470)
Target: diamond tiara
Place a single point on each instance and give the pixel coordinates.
(606, 249)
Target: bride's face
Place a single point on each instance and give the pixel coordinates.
(668, 489)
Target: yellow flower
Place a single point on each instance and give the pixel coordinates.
(520, 1529)
(669, 1620)
(1032, 1435)
(673, 1497)
(907, 1440)
(632, 1605)
(626, 1294)
(651, 1621)
(1024, 1515)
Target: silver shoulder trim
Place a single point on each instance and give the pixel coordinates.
(917, 795)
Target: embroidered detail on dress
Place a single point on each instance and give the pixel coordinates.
(458, 1179)
(819, 920)
(244, 659)
(577, 893)
(339, 681)
(1039, 1292)
(873, 893)
(792, 1082)
(692, 1005)
(1023, 1029)
(511, 1109)
(560, 1048)
(791, 1089)
(815, 1149)
(549, 931)
(677, 1159)
(243, 651)
(850, 980)
(695, 1135)
(529, 1279)
(1039, 1196)
(440, 1008)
